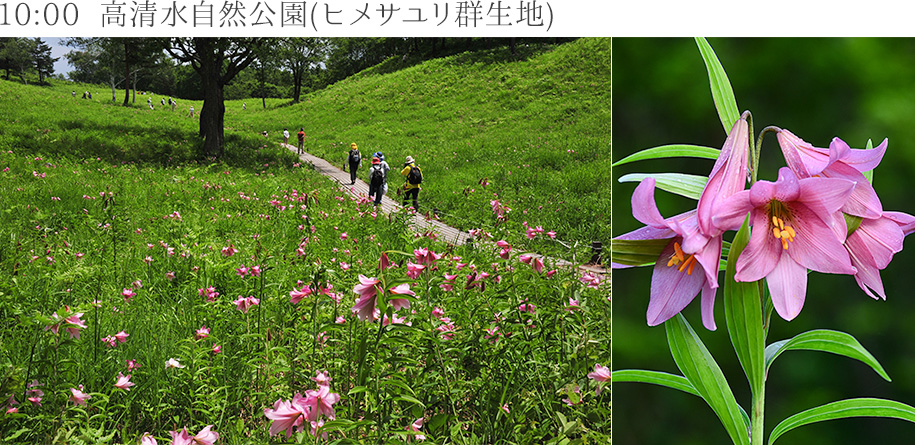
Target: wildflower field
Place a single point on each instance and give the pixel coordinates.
(252, 301)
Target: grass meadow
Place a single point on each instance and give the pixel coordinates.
(149, 296)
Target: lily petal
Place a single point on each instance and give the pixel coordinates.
(788, 287)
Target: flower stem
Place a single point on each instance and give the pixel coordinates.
(759, 402)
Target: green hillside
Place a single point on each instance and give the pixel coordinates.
(535, 126)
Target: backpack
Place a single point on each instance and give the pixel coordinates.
(415, 177)
(376, 177)
(354, 157)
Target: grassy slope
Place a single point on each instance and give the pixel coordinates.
(536, 125)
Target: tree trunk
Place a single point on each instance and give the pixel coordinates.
(135, 74)
(126, 74)
(212, 118)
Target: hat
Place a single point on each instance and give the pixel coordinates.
(409, 159)
(353, 145)
(375, 160)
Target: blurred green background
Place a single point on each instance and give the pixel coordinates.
(855, 89)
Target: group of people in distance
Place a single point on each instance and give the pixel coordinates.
(378, 176)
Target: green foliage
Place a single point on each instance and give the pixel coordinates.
(77, 232)
(531, 130)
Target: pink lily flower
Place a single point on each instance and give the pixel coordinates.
(794, 229)
(287, 416)
(202, 332)
(415, 427)
(128, 294)
(414, 270)
(367, 289)
(72, 324)
(245, 303)
(872, 245)
(401, 289)
(123, 382)
(182, 438)
(320, 402)
(148, 439)
(384, 262)
(121, 336)
(526, 259)
(78, 397)
(839, 161)
(538, 265)
(601, 374)
(206, 436)
(322, 378)
(216, 349)
(296, 295)
(695, 241)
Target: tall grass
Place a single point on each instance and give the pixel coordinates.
(76, 233)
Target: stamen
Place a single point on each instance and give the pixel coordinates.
(683, 262)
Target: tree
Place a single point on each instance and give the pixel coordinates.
(138, 53)
(217, 61)
(95, 61)
(41, 57)
(300, 55)
(15, 56)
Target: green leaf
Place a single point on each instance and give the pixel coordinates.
(844, 409)
(722, 93)
(700, 368)
(636, 252)
(671, 151)
(826, 341)
(410, 399)
(681, 184)
(664, 379)
(744, 315)
(673, 381)
(869, 175)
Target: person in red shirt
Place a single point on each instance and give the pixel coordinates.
(301, 140)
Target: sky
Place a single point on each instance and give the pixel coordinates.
(58, 49)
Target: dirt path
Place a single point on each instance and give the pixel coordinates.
(418, 222)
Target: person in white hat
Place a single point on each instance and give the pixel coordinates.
(414, 177)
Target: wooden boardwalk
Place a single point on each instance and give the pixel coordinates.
(418, 221)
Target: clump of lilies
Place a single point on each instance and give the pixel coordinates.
(312, 408)
(820, 214)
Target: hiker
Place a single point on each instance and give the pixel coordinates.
(354, 159)
(244, 106)
(378, 180)
(414, 177)
(163, 101)
(285, 137)
(149, 102)
(74, 93)
(386, 168)
(264, 134)
(90, 95)
(301, 140)
(192, 111)
(174, 102)
(84, 94)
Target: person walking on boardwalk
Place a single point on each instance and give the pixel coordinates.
(386, 168)
(414, 177)
(301, 140)
(354, 159)
(378, 179)
(285, 137)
